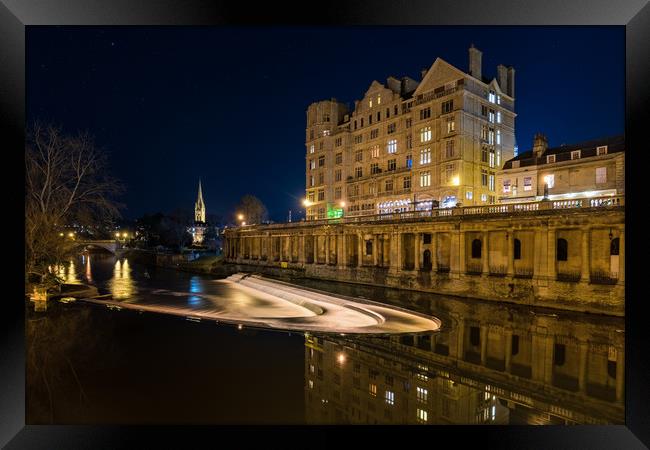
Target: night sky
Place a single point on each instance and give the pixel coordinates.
(172, 104)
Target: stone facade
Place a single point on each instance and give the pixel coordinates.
(567, 255)
(587, 169)
(410, 145)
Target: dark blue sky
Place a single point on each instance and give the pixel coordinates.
(228, 104)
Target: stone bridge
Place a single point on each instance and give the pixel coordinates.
(110, 245)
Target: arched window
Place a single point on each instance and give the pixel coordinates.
(427, 260)
(476, 248)
(613, 247)
(562, 250)
(517, 249)
(368, 247)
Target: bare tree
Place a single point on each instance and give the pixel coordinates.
(252, 209)
(65, 182)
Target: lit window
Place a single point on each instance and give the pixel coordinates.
(498, 116)
(392, 146)
(390, 397)
(422, 394)
(575, 154)
(422, 416)
(311, 148)
(311, 368)
(326, 132)
(425, 134)
(484, 197)
(372, 388)
(311, 180)
(498, 99)
(425, 156)
(491, 136)
(370, 103)
(498, 137)
(506, 186)
(312, 164)
(379, 99)
(469, 195)
(491, 157)
(451, 125)
(491, 186)
(311, 384)
(602, 150)
(528, 183)
(311, 197)
(374, 151)
(549, 180)
(491, 97)
(491, 116)
(409, 161)
(601, 175)
(425, 179)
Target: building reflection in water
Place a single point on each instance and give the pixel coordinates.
(66, 272)
(488, 367)
(121, 285)
(88, 274)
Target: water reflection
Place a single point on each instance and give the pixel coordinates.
(485, 369)
(121, 286)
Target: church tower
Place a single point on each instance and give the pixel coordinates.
(198, 230)
(199, 207)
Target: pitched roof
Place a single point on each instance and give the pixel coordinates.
(614, 144)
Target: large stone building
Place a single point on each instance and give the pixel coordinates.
(593, 168)
(410, 145)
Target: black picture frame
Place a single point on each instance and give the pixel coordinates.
(634, 15)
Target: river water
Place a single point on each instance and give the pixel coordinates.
(489, 364)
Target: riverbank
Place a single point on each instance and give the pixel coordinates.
(204, 265)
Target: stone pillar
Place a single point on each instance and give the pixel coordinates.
(417, 238)
(462, 259)
(375, 249)
(583, 348)
(460, 340)
(342, 256)
(510, 242)
(551, 263)
(539, 254)
(302, 257)
(585, 271)
(434, 252)
(508, 359)
(621, 256)
(281, 248)
(484, 338)
(486, 252)
(360, 249)
(454, 252)
(548, 359)
(620, 375)
(315, 240)
(394, 260)
(327, 249)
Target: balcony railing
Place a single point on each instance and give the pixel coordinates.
(599, 277)
(509, 208)
(474, 268)
(498, 271)
(523, 272)
(569, 275)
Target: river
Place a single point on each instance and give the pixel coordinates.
(488, 364)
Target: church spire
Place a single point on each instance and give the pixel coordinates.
(199, 207)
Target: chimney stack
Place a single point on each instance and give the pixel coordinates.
(502, 78)
(511, 82)
(475, 62)
(423, 72)
(540, 144)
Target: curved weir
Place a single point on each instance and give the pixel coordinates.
(252, 300)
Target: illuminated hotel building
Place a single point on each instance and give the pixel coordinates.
(594, 168)
(408, 145)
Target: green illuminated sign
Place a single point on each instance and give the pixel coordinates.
(334, 213)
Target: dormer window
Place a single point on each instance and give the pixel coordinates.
(550, 159)
(575, 154)
(491, 97)
(602, 150)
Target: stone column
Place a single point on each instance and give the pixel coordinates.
(583, 348)
(417, 238)
(460, 340)
(540, 254)
(620, 375)
(548, 359)
(551, 264)
(327, 249)
(360, 249)
(486, 252)
(454, 251)
(484, 338)
(375, 249)
(621, 256)
(508, 358)
(510, 242)
(434, 252)
(315, 249)
(394, 260)
(341, 257)
(462, 259)
(302, 257)
(585, 271)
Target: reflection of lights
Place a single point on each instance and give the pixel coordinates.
(89, 275)
(117, 235)
(240, 326)
(455, 180)
(243, 223)
(341, 358)
(70, 234)
(122, 285)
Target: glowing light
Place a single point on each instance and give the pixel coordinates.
(240, 217)
(455, 180)
(70, 234)
(240, 326)
(341, 358)
(343, 204)
(61, 234)
(117, 235)
(243, 223)
(306, 202)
